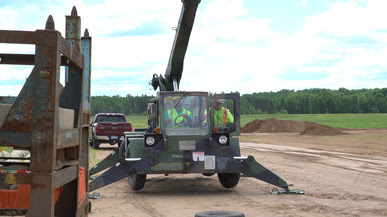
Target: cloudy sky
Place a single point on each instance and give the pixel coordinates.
(236, 45)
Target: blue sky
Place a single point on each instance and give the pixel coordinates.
(236, 45)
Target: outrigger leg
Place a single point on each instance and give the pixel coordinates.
(115, 173)
(118, 170)
(256, 170)
(107, 162)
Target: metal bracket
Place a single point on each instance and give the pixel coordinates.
(275, 191)
(95, 195)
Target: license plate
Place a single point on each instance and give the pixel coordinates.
(114, 137)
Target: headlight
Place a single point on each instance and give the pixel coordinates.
(150, 141)
(223, 140)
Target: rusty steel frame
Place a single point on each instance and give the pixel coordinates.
(33, 120)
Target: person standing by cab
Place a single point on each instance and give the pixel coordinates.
(222, 116)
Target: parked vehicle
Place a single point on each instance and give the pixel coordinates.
(109, 128)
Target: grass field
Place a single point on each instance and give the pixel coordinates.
(350, 121)
(137, 121)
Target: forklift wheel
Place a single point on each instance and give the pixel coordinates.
(137, 182)
(229, 180)
(121, 152)
(89, 209)
(95, 144)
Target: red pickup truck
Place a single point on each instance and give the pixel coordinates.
(109, 128)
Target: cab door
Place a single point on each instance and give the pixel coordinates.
(225, 112)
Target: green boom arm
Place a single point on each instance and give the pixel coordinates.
(174, 70)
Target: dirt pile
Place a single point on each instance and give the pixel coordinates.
(321, 130)
(274, 125)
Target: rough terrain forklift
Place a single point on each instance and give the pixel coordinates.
(187, 131)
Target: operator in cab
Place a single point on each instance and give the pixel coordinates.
(222, 116)
(178, 116)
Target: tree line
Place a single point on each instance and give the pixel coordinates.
(316, 101)
(128, 105)
(308, 101)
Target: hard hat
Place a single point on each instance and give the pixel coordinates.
(219, 101)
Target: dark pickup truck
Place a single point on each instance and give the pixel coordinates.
(109, 128)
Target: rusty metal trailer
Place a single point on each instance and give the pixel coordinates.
(37, 119)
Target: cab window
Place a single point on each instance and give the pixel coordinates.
(224, 112)
(185, 115)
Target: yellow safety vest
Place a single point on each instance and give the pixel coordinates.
(219, 121)
(173, 115)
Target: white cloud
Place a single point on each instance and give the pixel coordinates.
(10, 90)
(122, 89)
(230, 48)
(121, 15)
(241, 54)
(349, 19)
(9, 73)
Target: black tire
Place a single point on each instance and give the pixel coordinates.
(137, 181)
(89, 208)
(96, 144)
(122, 151)
(220, 213)
(208, 174)
(229, 180)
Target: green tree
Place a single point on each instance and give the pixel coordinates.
(315, 104)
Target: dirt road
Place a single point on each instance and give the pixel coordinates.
(344, 175)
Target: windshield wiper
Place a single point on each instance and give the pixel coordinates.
(179, 100)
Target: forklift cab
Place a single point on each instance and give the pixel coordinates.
(183, 113)
(189, 113)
